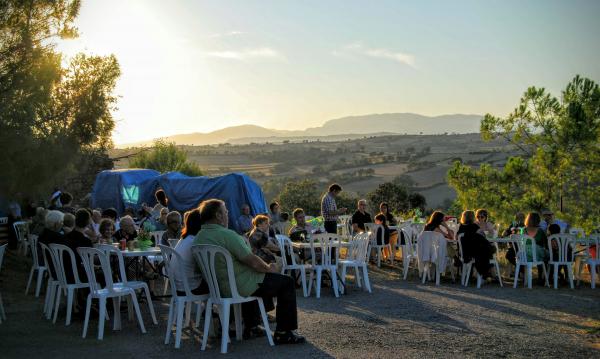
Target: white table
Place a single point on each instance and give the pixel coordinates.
(152, 251)
(306, 245)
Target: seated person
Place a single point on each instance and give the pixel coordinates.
(68, 223)
(360, 217)
(127, 230)
(485, 228)
(253, 276)
(75, 239)
(549, 219)
(516, 225)
(244, 221)
(107, 230)
(184, 248)
(261, 245)
(436, 223)
(173, 228)
(284, 225)
(112, 214)
(383, 233)
(474, 244)
(51, 234)
(532, 229)
(553, 229)
(301, 230)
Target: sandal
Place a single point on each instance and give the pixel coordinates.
(288, 337)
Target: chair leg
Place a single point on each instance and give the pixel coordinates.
(357, 275)
(366, 277)
(69, 305)
(579, 271)
(593, 273)
(318, 284)
(101, 318)
(570, 274)
(334, 282)
(555, 275)
(188, 313)
(303, 280)
(310, 280)
(237, 314)
(529, 275)
(138, 313)
(117, 309)
(179, 307)
(198, 314)
(207, 320)
(545, 275)
(479, 280)
(517, 271)
(498, 273)
(57, 304)
(225, 327)
(38, 284)
(150, 305)
(47, 298)
(170, 321)
(30, 279)
(263, 314)
(88, 307)
(405, 263)
(378, 257)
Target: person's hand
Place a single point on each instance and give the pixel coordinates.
(273, 268)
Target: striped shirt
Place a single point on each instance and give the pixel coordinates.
(328, 207)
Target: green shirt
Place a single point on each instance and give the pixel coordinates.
(247, 279)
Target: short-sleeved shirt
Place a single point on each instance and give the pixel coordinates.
(247, 279)
(328, 207)
(244, 223)
(361, 218)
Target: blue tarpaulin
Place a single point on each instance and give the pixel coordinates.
(132, 188)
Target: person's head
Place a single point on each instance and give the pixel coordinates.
(533, 220)
(110, 213)
(381, 219)
(467, 217)
(174, 221)
(274, 207)
(384, 208)
(127, 225)
(106, 228)
(163, 214)
(335, 189)
(481, 215)
(261, 222)
(553, 229)
(284, 216)
(245, 209)
(82, 218)
(299, 216)
(129, 211)
(54, 220)
(436, 218)
(520, 217)
(66, 198)
(548, 215)
(361, 205)
(161, 197)
(68, 221)
(191, 223)
(96, 216)
(213, 211)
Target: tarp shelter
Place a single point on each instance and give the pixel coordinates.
(118, 189)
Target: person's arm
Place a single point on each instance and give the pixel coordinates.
(255, 262)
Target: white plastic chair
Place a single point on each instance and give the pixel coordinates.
(563, 242)
(22, 232)
(89, 257)
(286, 248)
(591, 260)
(36, 267)
(2, 313)
(179, 302)
(356, 258)
(59, 252)
(206, 255)
(173, 242)
(584, 256)
(521, 257)
(323, 261)
(409, 251)
(109, 251)
(346, 226)
(467, 267)
(427, 252)
(53, 282)
(373, 229)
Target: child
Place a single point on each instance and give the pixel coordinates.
(385, 236)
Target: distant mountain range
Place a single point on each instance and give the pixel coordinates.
(334, 130)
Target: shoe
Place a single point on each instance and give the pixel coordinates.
(288, 337)
(254, 332)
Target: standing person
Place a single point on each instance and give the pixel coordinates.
(162, 202)
(360, 217)
(244, 221)
(329, 209)
(253, 276)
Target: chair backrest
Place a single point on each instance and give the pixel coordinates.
(408, 248)
(173, 242)
(90, 256)
(564, 244)
(279, 227)
(286, 249)
(174, 269)
(21, 230)
(346, 222)
(157, 236)
(459, 238)
(33, 240)
(49, 260)
(110, 250)
(428, 246)
(2, 250)
(578, 232)
(326, 242)
(522, 242)
(373, 230)
(359, 248)
(206, 255)
(60, 251)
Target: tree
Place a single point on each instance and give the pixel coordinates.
(559, 166)
(417, 200)
(301, 194)
(395, 195)
(52, 118)
(165, 157)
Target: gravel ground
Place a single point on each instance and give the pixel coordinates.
(399, 319)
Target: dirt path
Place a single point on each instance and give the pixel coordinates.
(399, 319)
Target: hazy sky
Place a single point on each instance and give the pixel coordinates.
(198, 66)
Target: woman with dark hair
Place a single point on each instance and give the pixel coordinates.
(482, 216)
(533, 230)
(384, 209)
(191, 227)
(383, 232)
(474, 244)
(436, 223)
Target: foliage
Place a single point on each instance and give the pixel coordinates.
(394, 194)
(165, 157)
(51, 117)
(301, 194)
(417, 200)
(560, 164)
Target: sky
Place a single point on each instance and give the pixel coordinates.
(198, 66)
